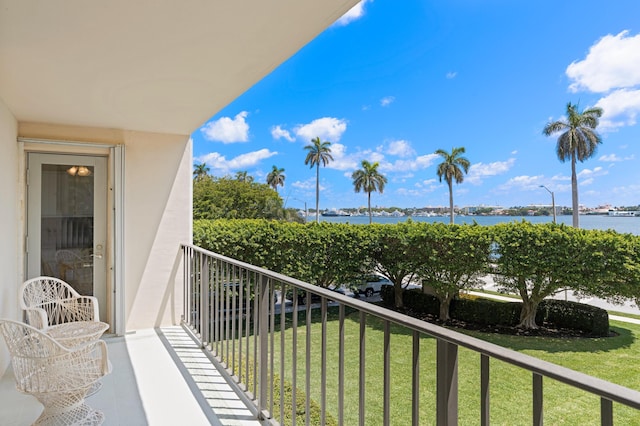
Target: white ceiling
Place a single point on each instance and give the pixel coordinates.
(151, 65)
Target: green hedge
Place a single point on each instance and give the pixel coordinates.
(589, 319)
(573, 315)
(486, 312)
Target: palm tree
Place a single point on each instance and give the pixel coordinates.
(578, 141)
(451, 169)
(275, 178)
(368, 179)
(200, 171)
(243, 176)
(318, 152)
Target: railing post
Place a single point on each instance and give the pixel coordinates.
(386, 379)
(484, 390)
(263, 339)
(537, 400)
(204, 302)
(606, 412)
(447, 383)
(415, 380)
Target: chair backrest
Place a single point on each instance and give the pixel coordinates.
(42, 299)
(67, 256)
(44, 290)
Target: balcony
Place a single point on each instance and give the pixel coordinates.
(236, 350)
(160, 377)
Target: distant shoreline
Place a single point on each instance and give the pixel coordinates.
(621, 224)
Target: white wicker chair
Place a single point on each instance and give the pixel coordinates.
(59, 377)
(49, 301)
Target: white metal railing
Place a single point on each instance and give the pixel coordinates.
(232, 308)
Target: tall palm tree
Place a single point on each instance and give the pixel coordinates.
(275, 178)
(318, 152)
(451, 169)
(200, 171)
(243, 176)
(369, 180)
(579, 141)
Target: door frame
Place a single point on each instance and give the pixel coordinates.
(115, 154)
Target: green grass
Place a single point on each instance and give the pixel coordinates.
(625, 315)
(614, 359)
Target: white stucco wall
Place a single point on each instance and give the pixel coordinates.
(9, 223)
(158, 182)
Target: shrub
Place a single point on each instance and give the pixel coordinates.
(559, 313)
(574, 315)
(418, 301)
(486, 312)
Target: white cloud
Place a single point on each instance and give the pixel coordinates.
(426, 183)
(418, 163)
(221, 166)
(415, 193)
(620, 108)
(342, 160)
(522, 183)
(227, 130)
(610, 158)
(387, 100)
(451, 74)
(611, 63)
(278, 132)
(307, 185)
(326, 128)
(355, 13)
(400, 148)
(479, 171)
(588, 173)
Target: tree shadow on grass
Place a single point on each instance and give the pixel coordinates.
(620, 338)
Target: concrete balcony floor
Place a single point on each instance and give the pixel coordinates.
(160, 377)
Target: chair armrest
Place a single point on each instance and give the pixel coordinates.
(101, 354)
(95, 309)
(37, 317)
(82, 308)
(106, 365)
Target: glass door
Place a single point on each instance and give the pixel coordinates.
(66, 222)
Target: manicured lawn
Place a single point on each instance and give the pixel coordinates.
(616, 359)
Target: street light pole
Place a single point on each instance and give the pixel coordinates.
(306, 212)
(553, 202)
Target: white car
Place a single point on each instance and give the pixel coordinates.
(371, 284)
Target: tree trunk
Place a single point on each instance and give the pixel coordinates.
(574, 192)
(450, 182)
(317, 192)
(528, 315)
(369, 204)
(397, 293)
(444, 308)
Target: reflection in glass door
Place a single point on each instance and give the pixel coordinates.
(66, 222)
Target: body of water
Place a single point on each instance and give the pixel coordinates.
(623, 225)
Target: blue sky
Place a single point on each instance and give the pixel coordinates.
(393, 81)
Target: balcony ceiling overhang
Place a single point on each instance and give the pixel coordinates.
(150, 65)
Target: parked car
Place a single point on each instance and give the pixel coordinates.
(371, 284)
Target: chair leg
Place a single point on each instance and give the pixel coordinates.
(67, 408)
